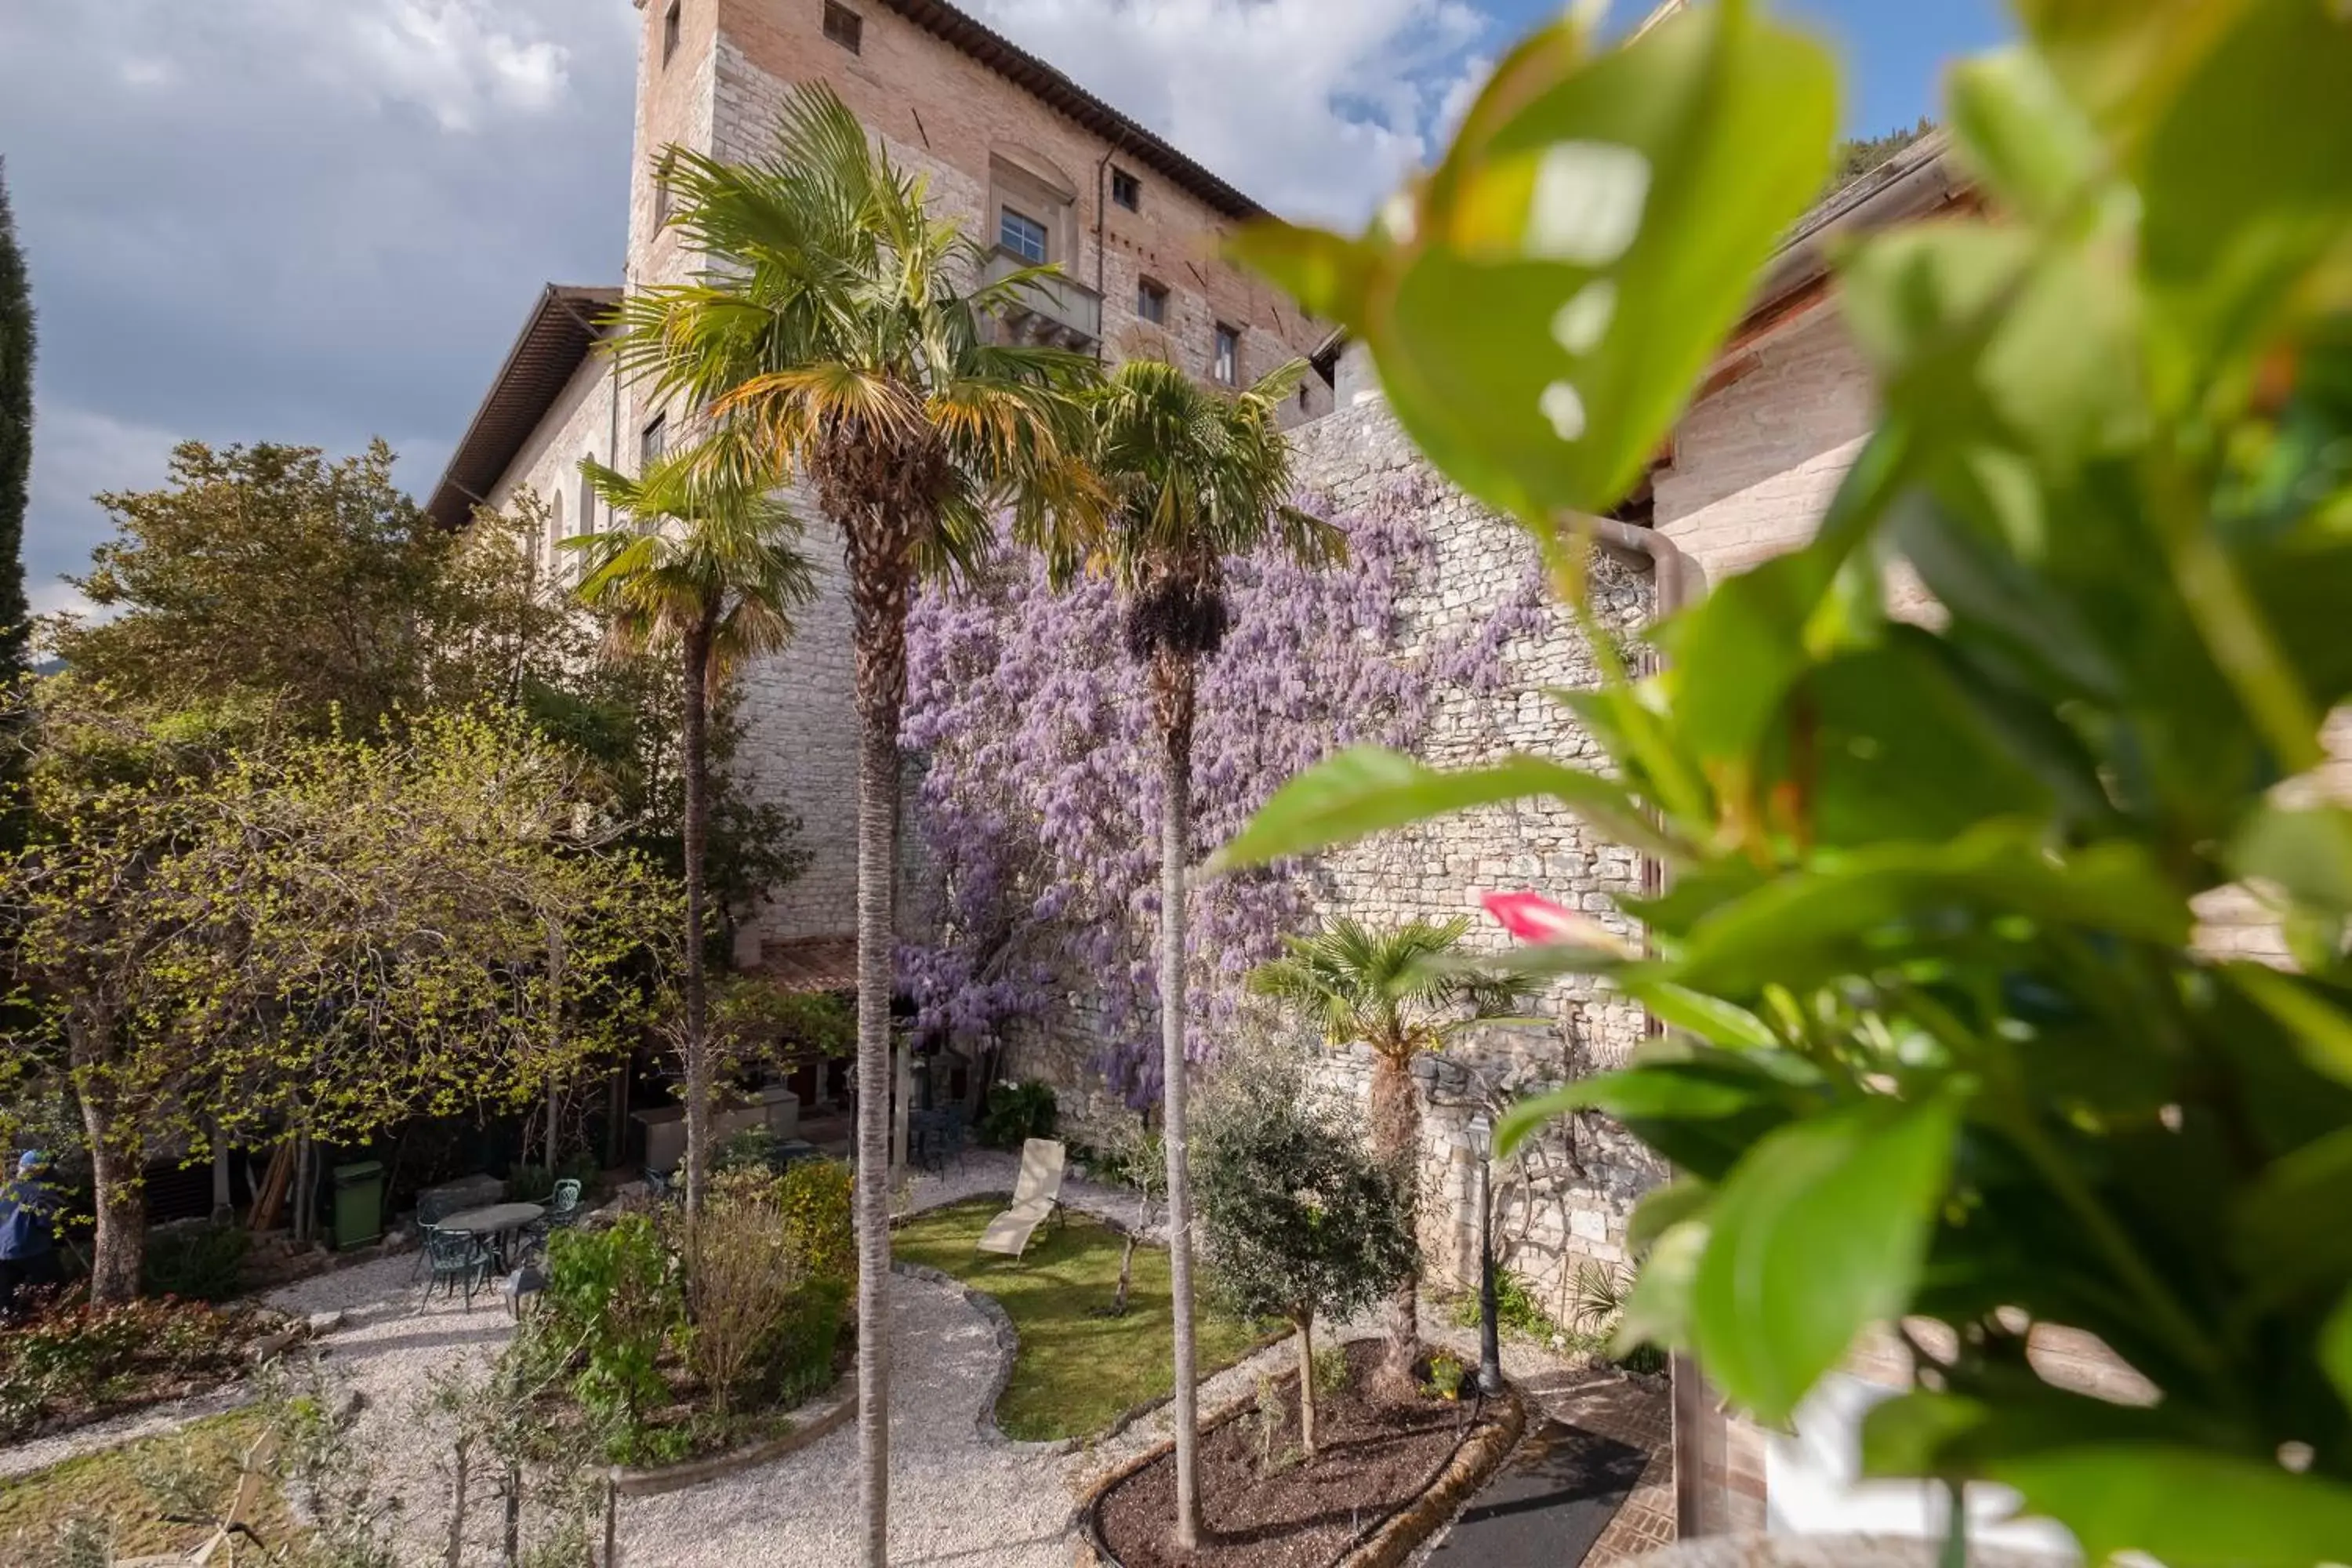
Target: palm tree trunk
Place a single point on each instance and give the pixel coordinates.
(1396, 1144)
(1175, 680)
(696, 739)
(878, 793)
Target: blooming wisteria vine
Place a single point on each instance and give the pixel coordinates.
(1040, 807)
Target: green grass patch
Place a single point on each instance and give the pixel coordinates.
(1076, 1372)
(118, 1490)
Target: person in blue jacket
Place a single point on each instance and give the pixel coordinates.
(28, 1233)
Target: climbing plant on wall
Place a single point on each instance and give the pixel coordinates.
(1038, 807)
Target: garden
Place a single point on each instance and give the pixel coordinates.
(1938, 1046)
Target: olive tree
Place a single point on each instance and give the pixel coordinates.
(1300, 1218)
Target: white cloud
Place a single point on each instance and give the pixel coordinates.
(1317, 108)
(77, 453)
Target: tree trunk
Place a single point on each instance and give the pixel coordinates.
(877, 802)
(118, 1248)
(1175, 678)
(1307, 1386)
(1126, 1274)
(1396, 1144)
(455, 1555)
(511, 1544)
(696, 741)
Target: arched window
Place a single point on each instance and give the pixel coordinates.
(554, 532)
(587, 502)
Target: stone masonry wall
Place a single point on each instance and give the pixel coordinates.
(1569, 1197)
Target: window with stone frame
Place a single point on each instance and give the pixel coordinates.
(1225, 364)
(1024, 235)
(1127, 190)
(587, 499)
(845, 26)
(673, 28)
(1151, 301)
(652, 443)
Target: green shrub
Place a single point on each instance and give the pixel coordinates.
(819, 1219)
(196, 1262)
(799, 1359)
(614, 1295)
(1446, 1374)
(1015, 1113)
(82, 1358)
(748, 1149)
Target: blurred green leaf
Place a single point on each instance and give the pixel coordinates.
(2308, 854)
(1552, 298)
(2188, 1508)
(2335, 1349)
(2321, 1030)
(1368, 789)
(1662, 1208)
(2013, 124)
(1657, 1310)
(1820, 1230)
(1872, 905)
(1708, 1018)
(1699, 1111)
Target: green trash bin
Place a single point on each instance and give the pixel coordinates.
(359, 1204)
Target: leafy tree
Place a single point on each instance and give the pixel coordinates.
(228, 933)
(710, 573)
(1301, 1220)
(1392, 991)
(1195, 476)
(1858, 155)
(269, 570)
(839, 324)
(1944, 1046)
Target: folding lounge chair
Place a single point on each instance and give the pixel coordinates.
(1035, 1197)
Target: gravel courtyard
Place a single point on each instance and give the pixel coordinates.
(955, 1496)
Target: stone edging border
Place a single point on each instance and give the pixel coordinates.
(655, 1481)
(1474, 1462)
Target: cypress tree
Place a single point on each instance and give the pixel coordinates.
(16, 435)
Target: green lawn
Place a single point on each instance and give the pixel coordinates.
(107, 1487)
(1076, 1373)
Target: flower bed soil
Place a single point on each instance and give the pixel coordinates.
(1374, 1458)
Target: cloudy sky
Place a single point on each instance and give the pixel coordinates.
(319, 220)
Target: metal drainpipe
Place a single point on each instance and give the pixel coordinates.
(1102, 216)
(1699, 1440)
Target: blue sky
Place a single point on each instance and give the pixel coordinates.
(200, 272)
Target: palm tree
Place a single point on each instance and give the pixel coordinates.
(710, 571)
(852, 333)
(1391, 990)
(1197, 475)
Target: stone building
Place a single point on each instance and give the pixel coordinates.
(1029, 162)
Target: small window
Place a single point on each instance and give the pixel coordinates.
(587, 502)
(1227, 365)
(1022, 234)
(670, 29)
(661, 197)
(1151, 302)
(845, 26)
(1127, 190)
(554, 534)
(653, 443)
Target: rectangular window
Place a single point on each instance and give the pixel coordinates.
(588, 501)
(670, 29)
(1151, 302)
(1022, 234)
(661, 196)
(653, 443)
(845, 26)
(1226, 366)
(1127, 190)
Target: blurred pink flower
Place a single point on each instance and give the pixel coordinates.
(1531, 917)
